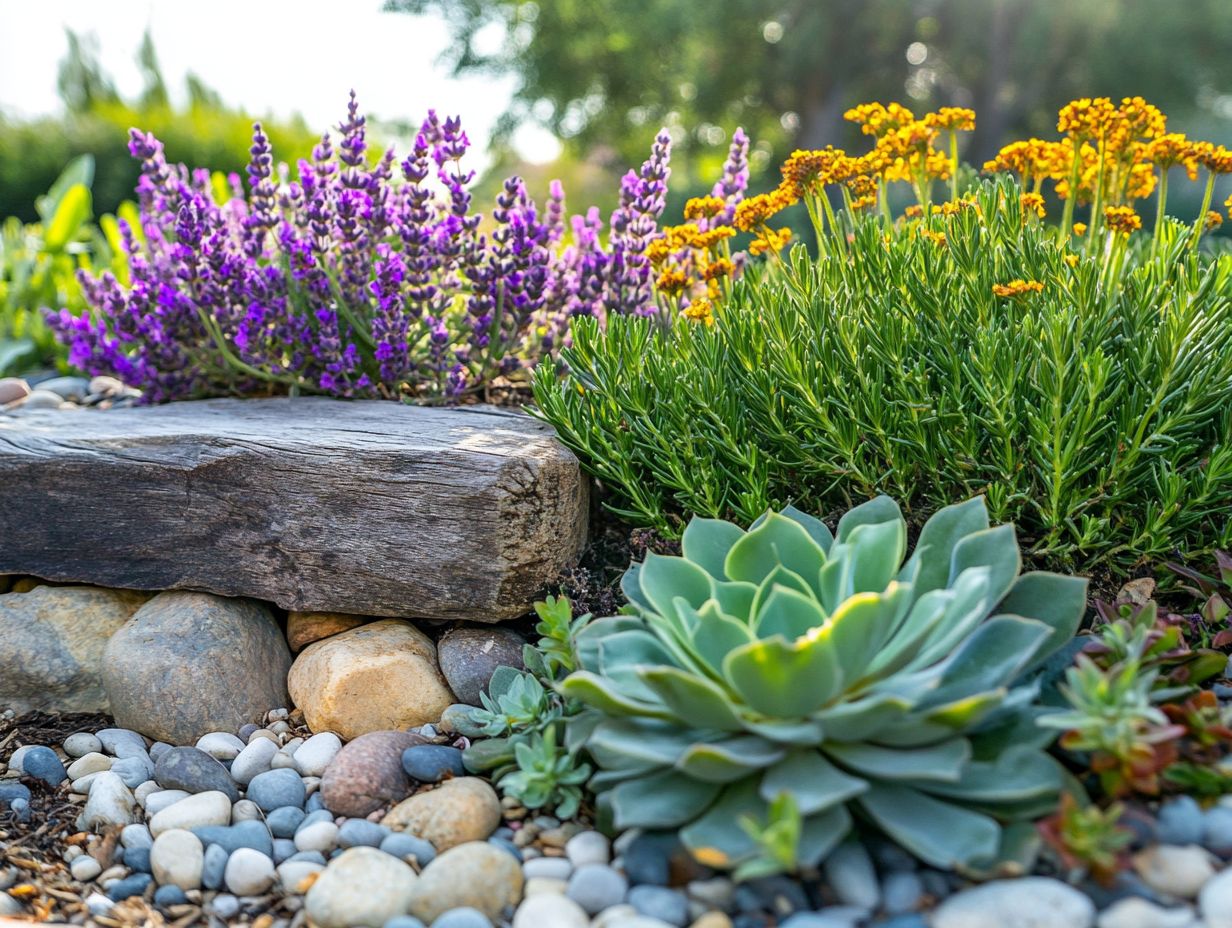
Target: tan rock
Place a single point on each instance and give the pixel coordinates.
(459, 810)
(27, 584)
(303, 628)
(54, 640)
(476, 874)
(381, 676)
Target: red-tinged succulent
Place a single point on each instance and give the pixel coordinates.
(1087, 838)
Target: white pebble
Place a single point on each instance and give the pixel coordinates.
(319, 836)
(1136, 912)
(178, 858)
(136, 836)
(292, 873)
(246, 811)
(538, 885)
(1215, 901)
(283, 761)
(145, 790)
(98, 904)
(220, 745)
(252, 760)
(82, 743)
(249, 872)
(85, 868)
(161, 799)
(557, 911)
(16, 758)
(315, 754)
(1178, 870)
(82, 785)
(552, 868)
(263, 733)
(588, 847)
(110, 803)
(94, 762)
(208, 808)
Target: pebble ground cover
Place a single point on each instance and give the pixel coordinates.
(806, 703)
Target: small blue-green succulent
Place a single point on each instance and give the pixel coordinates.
(789, 660)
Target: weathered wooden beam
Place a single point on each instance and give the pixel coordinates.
(373, 508)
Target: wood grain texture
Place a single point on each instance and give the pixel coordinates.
(366, 507)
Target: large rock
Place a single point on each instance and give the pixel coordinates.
(459, 810)
(361, 886)
(477, 875)
(1030, 902)
(303, 628)
(367, 773)
(53, 643)
(314, 504)
(380, 676)
(469, 657)
(190, 663)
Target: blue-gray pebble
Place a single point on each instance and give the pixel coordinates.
(667, 905)
(284, 849)
(42, 764)
(225, 906)
(403, 846)
(195, 771)
(359, 832)
(465, 917)
(431, 763)
(314, 804)
(231, 838)
(283, 822)
(20, 809)
(913, 920)
(137, 858)
(596, 887)
(901, 892)
(214, 867)
(314, 857)
(134, 770)
(648, 859)
(277, 788)
(404, 921)
(1217, 830)
(167, 896)
(130, 886)
(11, 791)
(1180, 821)
(506, 845)
(320, 815)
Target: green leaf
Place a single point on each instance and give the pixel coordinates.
(1056, 600)
(695, 700)
(991, 658)
(706, 543)
(778, 540)
(73, 209)
(664, 578)
(942, 762)
(1019, 774)
(592, 635)
(877, 554)
(16, 355)
(787, 612)
(717, 635)
(78, 173)
(863, 718)
(994, 548)
(861, 625)
(815, 527)
(784, 679)
(814, 782)
(730, 760)
(716, 838)
(488, 754)
(934, 549)
(874, 512)
(593, 690)
(822, 833)
(735, 598)
(661, 800)
(939, 833)
(617, 741)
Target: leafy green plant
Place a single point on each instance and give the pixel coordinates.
(558, 628)
(1088, 839)
(546, 776)
(777, 840)
(1093, 409)
(787, 659)
(1216, 595)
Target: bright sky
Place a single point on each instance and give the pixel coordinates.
(267, 57)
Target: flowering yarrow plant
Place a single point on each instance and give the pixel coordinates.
(361, 276)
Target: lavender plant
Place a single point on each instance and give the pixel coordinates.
(361, 276)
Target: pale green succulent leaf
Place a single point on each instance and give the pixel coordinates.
(863, 718)
(787, 611)
(662, 800)
(1054, 599)
(735, 598)
(778, 540)
(729, 760)
(938, 832)
(717, 635)
(631, 587)
(877, 553)
(934, 549)
(991, 657)
(706, 542)
(779, 577)
(836, 579)
(1019, 774)
(822, 833)
(715, 838)
(994, 548)
(785, 679)
(941, 762)
(925, 614)
(810, 779)
(861, 625)
(663, 578)
(619, 742)
(875, 511)
(595, 691)
(593, 633)
(963, 614)
(695, 700)
(815, 527)
(790, 732)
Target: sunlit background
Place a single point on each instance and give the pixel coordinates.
(575, 88)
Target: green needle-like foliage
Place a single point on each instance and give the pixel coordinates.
(1094, 414)
(787, 660)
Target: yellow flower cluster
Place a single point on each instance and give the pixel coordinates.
(877, 120)
(704, 207)
(699, 310)
(1122, 219)
(1017, 288)
(771, 240)
(1033, 203)
(691, 259)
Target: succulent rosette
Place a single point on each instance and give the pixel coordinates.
(789, 660)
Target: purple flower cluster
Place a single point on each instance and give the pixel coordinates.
(361, 276)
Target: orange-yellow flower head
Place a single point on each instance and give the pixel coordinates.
(1213, 221)
(772, 240)
(1173, 150)
(700, 310)
(876, 120)
(808, 171)
(755, 211)
(1033, 203)
(1122, 219)
(1215, 158)
(952, 118)
(672, 281)
(1017, 288)
(704, 207)
(1086, 118)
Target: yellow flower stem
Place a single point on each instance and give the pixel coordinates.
(1200, 222)
(1160, 204)
(836, 230)
(953, 165)
(1067, 215)
(883, 202)
(810, 203)
(1097, 202)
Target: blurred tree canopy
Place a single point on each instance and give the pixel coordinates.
(610, 72)
(203, 133)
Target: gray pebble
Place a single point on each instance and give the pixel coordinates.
(158, 749)
(277, 788)
(81, 743)
(194, 771)
(596, 887)
(667, 905)
(11, 791)
(1180, 821)
(315, 803)
(120, 741)
(320, 815)
(284, 849)
(902, 892)
(231, 838)
(167, 896)
(404, 921)
(1217, 830)
(404, 846)
(431, 763)
(849, 870)
(359, 832)
(136, 836)
(548, 868)
(506, 845)
(214, 867)
(283, 822)
(465, 917)
(134, 769)
(43, 764)
(20, 809)
(313, 857)
(138, 859)
(130, 886)
(225, 906)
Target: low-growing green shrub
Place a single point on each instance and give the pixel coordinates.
(790, 661)
(1084, 389)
